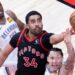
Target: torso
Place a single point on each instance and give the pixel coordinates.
(6, 32)
(31, 57)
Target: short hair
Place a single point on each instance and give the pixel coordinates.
(32, 13)
(56, 50)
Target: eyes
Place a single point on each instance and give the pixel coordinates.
(35, 20)
(52, 58)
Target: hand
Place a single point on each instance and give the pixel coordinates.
(67, 36)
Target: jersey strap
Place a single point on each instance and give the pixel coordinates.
(19, 39)
(41, 41)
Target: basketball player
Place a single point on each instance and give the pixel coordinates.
(9, 25)
(55, 64)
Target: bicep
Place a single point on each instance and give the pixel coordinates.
(56, 38)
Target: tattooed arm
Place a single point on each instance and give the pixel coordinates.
(69, 64)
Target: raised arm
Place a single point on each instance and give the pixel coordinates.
(20, 24)
(4, 53)
(69, 64)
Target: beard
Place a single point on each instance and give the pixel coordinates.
(36, 31)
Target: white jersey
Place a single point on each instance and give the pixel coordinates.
(48, 72)
(6, 32)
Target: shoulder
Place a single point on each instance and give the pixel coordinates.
(14, 39)
(45, 34)
(11, 14)
(16, 35)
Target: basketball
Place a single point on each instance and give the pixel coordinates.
(72, 20)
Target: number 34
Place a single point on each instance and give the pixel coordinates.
(27, 63)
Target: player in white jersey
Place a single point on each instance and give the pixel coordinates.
(9, 25)
(55, 64)
(6, 32)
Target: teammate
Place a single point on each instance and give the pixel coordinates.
(9, 25)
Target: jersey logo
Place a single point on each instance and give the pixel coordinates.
(9, 19)
(68, 2)
(37, 41)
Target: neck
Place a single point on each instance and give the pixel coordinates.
(30, 35)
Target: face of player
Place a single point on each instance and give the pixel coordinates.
(35, 24)
(55, 60)
(1, 11)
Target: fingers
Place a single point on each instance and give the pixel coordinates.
(67, 36)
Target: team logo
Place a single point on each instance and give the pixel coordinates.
(9, 19)
(68, 2)
(37, 41)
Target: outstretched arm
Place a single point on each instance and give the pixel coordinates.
(20, 24)
(54, 39)
(4, 53)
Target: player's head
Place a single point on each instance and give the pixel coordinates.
(55, 58)
(31, 13)
(34, 22)
(72, 20)
(1, 11)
